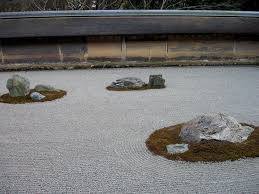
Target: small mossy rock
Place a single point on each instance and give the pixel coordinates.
(44, 88)
(215, 127)
(128, 83)
(18, 86)
(156, 81)
(177, 148)
(35, 96)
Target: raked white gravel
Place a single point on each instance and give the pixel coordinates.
(93, 140)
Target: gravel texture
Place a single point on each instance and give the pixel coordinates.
(93, 140)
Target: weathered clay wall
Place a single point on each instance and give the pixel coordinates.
(167, 49)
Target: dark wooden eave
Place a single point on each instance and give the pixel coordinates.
(117, 22)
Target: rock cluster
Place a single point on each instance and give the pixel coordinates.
(215, 127)
(19, 86)
(133, 83)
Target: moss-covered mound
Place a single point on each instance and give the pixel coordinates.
(49, 96)
(206, 150)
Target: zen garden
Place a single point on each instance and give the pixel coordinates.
(129, 96)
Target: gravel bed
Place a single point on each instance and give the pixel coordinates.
(93, 140)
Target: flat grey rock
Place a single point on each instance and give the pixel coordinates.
(18, 86)
(177, 148)
(44, 88)
(215, 126)
(128, 83)
(156, 81)
(37, 96)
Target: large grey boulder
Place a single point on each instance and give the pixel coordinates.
(44, 88)
(128, 83)
(215, 126)
(177, 148)
(156, 81)
(18, 86)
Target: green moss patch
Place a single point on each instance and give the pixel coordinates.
(206, 150)
(49, 96)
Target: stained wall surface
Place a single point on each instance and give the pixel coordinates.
(190, 49)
